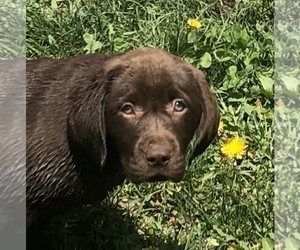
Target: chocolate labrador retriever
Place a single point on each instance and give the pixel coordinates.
(94, 120)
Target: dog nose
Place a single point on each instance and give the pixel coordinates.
(158, 156)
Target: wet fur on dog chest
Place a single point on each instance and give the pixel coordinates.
(96, 119)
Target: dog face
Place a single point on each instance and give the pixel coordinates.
(153, 106)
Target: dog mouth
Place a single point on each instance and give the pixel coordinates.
(138, 173)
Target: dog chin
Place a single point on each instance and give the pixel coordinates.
(155, 178)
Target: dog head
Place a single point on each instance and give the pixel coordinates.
(154, 105)
(149, 103)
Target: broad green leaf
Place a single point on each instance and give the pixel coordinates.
(250, 59)
(120, 44)
(205, 60)
(267, 244)
(96, 46)
(232, 71)
(88, 38)
(218, 55)
(248, 108)
(267, 83)
(191, 38)
(189, 60)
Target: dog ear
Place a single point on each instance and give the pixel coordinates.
(86, 124)
(210, 117)
(86, 121)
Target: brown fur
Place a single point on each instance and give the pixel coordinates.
(81, 143)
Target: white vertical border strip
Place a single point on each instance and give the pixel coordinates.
(287, 124)
(12, 125)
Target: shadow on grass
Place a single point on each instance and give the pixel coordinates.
(96, 227)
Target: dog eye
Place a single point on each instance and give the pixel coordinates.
(128, 109)
(178, 106)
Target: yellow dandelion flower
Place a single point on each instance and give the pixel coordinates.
(194, 23)
(221, 127)
(234, 148)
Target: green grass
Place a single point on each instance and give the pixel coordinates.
(219, 204)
